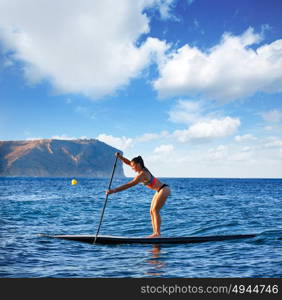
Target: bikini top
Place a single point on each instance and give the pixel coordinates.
(152, 181)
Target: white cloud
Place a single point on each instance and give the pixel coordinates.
(268, 128)
(121, 143)
(66, 137)
(218, 153)
(273, 142)
(163, 154)
(34, 138)
(58, 137)
(147, 137)
(244, 155)
(86, 47)
(223, 160)
(208, 130)
(164, 149)
(245, 138)
(125, 143)
(230, 70)
(202, 126)
(186, 112)
(272, 116)
(229, 155)
(63, 137)
(164, 7)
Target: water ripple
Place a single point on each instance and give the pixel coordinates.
(29, 207)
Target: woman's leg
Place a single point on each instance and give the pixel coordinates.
(151, 213)
(157, 203)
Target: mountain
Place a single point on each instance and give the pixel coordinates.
(58, 158)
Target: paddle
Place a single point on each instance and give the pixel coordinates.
(106, 200)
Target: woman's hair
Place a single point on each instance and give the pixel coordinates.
(139, 160)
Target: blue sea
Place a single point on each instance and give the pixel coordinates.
(197, 207)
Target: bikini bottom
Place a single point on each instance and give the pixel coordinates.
(164, 185)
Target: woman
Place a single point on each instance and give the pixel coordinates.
(145, 177)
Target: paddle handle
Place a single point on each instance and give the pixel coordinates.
(102, 214)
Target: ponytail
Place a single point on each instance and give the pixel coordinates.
(139, 160)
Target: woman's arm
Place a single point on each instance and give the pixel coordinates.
(126, 186)
(123, 159)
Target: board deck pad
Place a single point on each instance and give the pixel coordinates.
(107, 239)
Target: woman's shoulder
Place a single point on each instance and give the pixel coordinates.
(143, 175)
(146, 173)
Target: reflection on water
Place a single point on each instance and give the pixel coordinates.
(155, 261)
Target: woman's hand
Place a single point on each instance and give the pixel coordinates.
(118, 155)
(108, 192)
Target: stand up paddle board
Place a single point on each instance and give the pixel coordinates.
(106, 239)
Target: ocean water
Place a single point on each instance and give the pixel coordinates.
(197, 207)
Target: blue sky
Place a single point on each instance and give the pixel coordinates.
(192, 86)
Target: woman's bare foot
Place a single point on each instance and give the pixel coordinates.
(154, 235)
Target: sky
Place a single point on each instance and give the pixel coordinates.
(193, 86)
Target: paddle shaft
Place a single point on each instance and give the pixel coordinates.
(102, 215)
